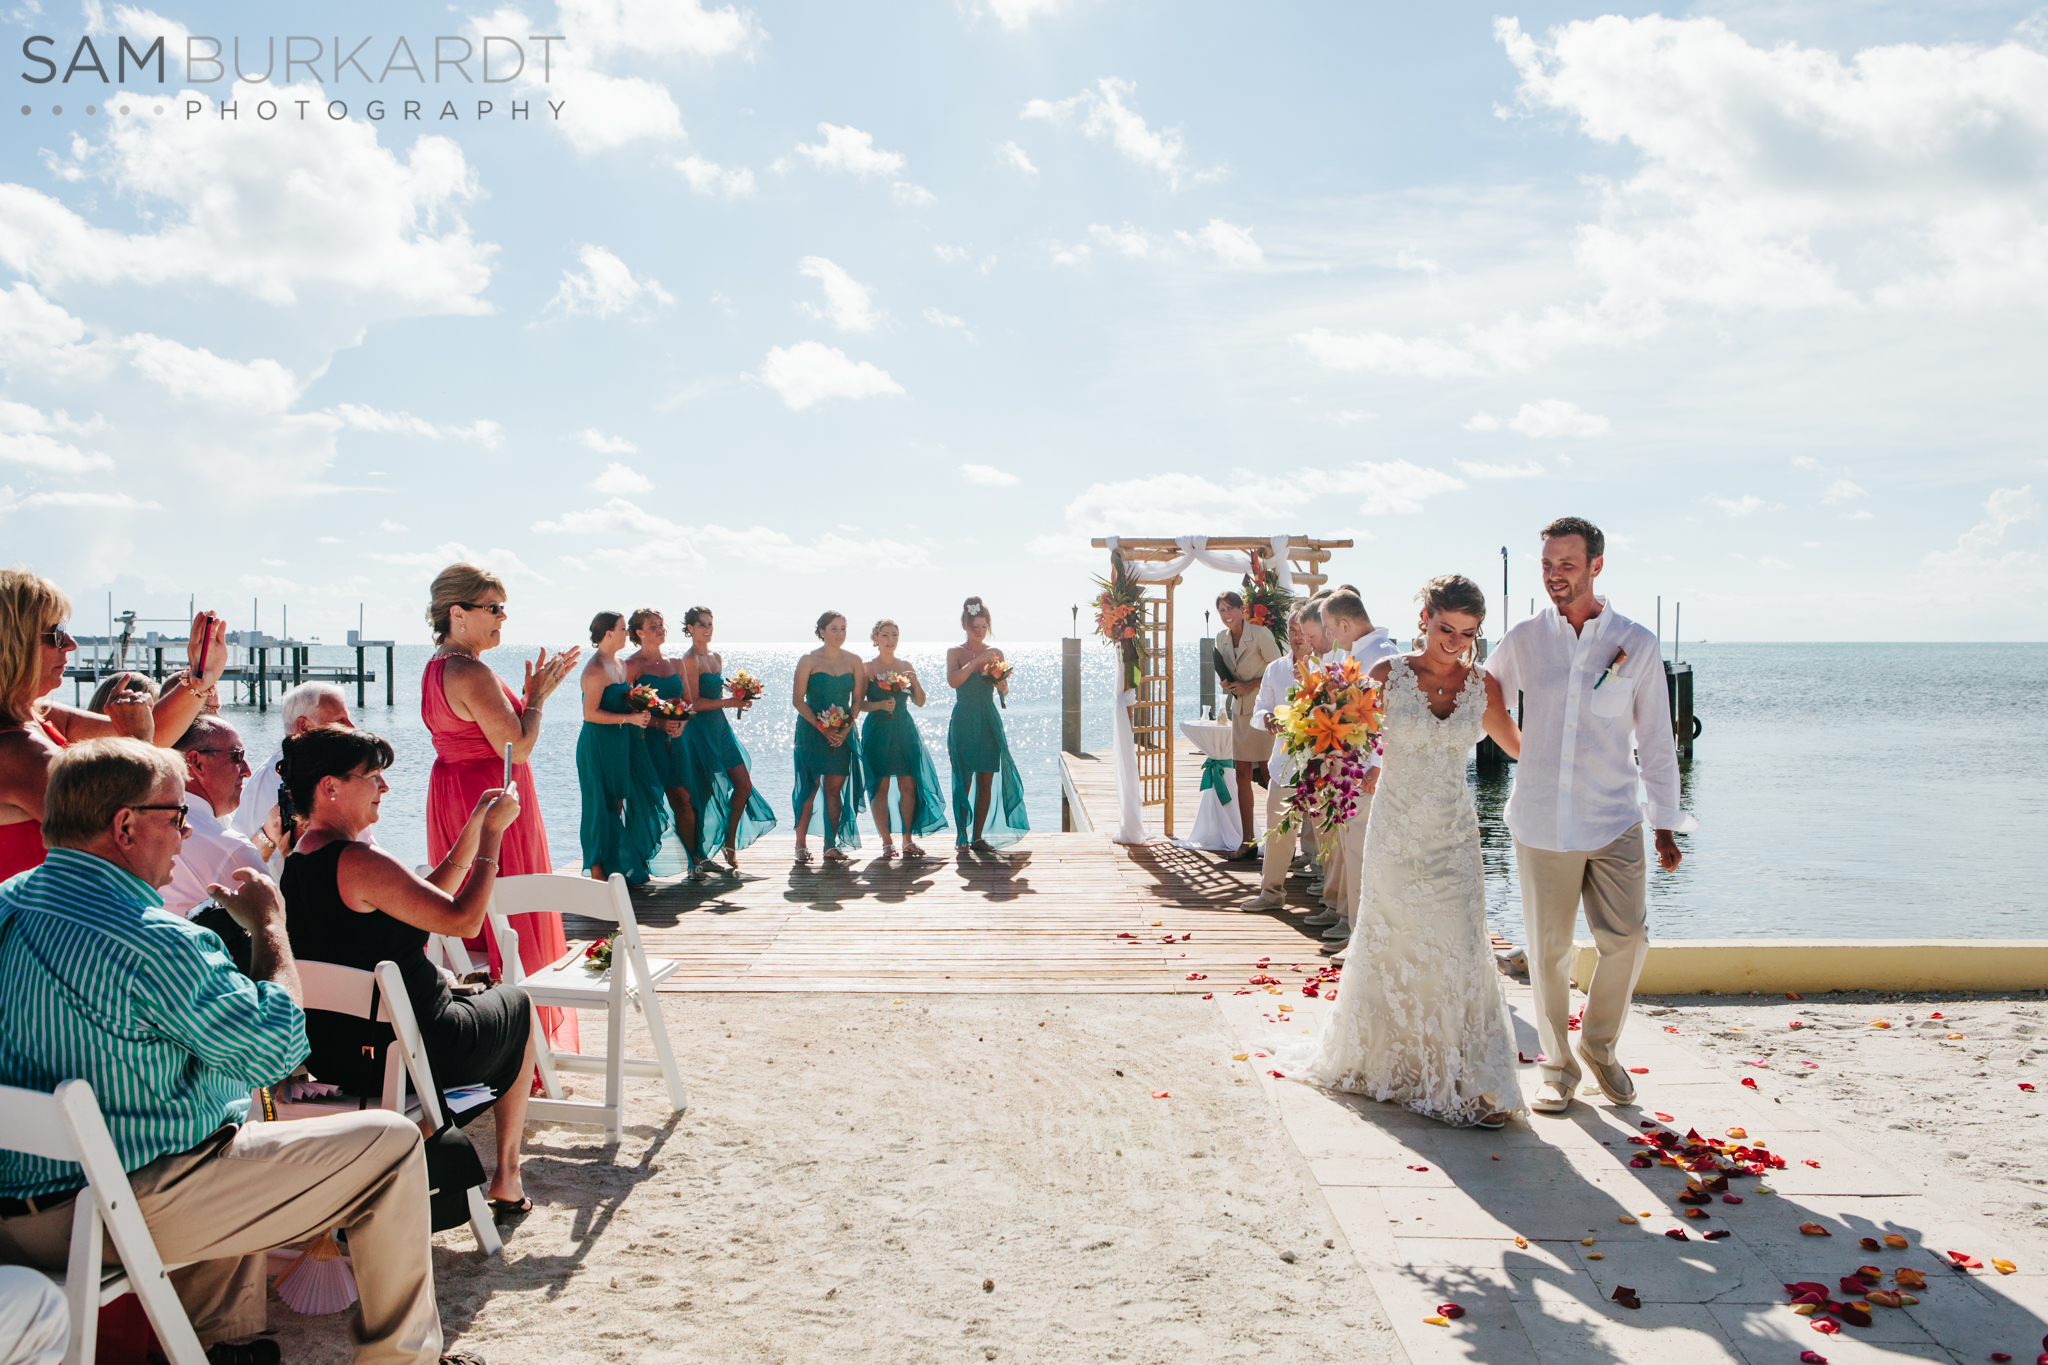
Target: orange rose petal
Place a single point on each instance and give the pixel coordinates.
(1895, 1242)
(1814, 1230)
(2003, 1267)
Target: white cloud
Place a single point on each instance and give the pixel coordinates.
(363, 418)
(1987, 559)
(1482, 421)
(669, 545)
(1016, 14)
(952, 255)
(1554, 417)
(946, 320)
(1863, 515)
(988, 476)
(1127, 240)
(620, 480)
(846, 300)
(1743, 506)
(1527, 469)
(29, 438)
(1405, 259)
(1010, 154)
(604, 287)
(595, 441)
(1842, 490)
(1786, 177)
(10, 501)
(1344, 417)
(389, 525)
(1374, 488)
(917, 196)
(811, 372)
(707, 177)
(850, 150)
(1075, 255)
(274, 211)
(659, 28)
(1769, 563)
(198, 375)
(1382, 353)
(1103, 113)
(1229, 244)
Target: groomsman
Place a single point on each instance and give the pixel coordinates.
(1279, 847)
(1352, 632)
(1596, 722)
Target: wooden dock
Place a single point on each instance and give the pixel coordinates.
(1055, 913)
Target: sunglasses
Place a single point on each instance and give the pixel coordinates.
(494, 608)
(235, 755)
(182, 821)
(56, 637)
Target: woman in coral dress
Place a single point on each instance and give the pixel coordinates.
(472, 715)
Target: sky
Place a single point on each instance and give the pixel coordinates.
(791, 307)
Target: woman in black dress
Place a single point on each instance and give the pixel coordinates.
(352, 903)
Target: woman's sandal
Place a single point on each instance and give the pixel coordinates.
(1491, 1121)
(836, 857)
(888, 850)
(911, 850)
(732, 860)
(510, 1210)
(803, 857)
(701, 873)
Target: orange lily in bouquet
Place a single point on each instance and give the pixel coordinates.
(998, 671)
(1330, 724)
(745, 686)
(834, 718)
(645, 698)
(894, 682)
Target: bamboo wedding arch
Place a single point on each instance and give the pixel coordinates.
(1152, 713)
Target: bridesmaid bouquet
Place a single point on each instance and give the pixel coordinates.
(645, 698)
(1330, 723)
(998, 671)
(744, 685)
(894, 682)
(834, 718)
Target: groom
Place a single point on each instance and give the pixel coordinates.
(1595, 705)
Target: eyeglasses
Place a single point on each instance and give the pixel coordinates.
(494, 608)
(235, 755)
(181, 822)
(56, 637)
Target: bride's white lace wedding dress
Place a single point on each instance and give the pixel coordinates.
(1421, 1018)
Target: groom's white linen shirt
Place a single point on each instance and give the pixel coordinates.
(1577, 785)
(1369, 649)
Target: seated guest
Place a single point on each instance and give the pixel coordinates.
(305, 706)
(33, 729)
(214, 769)
(352, 903)
(35, 1329)
(134, 684)
(98, 983)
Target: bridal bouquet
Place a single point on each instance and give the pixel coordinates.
(745, 686)
(1330, 724)
(645, 698)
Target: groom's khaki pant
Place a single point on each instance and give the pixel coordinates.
(1341, 884)
(1613, 884)
(1279, 846)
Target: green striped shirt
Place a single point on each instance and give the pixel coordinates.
(98, 982)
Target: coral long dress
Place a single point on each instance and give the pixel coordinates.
(465, 767)
(21, 843)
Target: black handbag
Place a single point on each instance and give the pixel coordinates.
(453, 1170)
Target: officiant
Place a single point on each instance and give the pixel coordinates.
(1243, 649)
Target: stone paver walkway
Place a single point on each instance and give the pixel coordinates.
(1497, 1222)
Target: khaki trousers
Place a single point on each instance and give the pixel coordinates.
(1351, 842)
(1279, 847)
(226, 1202)
(1612, 882)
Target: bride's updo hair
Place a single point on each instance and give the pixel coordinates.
(972, 608)
(825, 620)
(1453, 592)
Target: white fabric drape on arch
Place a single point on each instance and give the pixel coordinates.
(1130, 817)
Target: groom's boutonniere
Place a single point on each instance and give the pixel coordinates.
(1620, 658)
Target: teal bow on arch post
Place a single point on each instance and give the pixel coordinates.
(1216, 776)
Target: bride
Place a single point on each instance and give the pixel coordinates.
(1421, 1018)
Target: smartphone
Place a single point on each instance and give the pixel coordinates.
(507, 783)
(205, 644)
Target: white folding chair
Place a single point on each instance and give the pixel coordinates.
(380, 995)
(568, 984)
(67, 1126)
(451, 951)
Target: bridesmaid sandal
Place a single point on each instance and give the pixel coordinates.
(837, 858)
(803, 857)
(888, 849)
(911, 850)
(732, 859)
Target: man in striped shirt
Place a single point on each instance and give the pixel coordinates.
(98, 982)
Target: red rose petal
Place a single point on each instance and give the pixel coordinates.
(1750, 1081)
(1276, 1075)
(1159, 1094)
(1639, 1071)
(1816, 1358)
(1418, 1168)
(1666, 1118)
(1826, 1326)
(1966, 1261)
(1676, 1234)
(1717, 1234)
(1809, 1161)
(1209, 996)
(2024, 1085)
(1451, 1310)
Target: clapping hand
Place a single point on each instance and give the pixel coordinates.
(254, 900)
(544, 675)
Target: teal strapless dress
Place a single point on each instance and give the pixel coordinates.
(625, 814)
(890, 746)
(817, 760)
(670, 757)
(710, 751)
(976, 744)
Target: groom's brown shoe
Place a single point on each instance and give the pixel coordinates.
(1612, 1078)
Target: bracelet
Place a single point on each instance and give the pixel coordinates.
(474, 861)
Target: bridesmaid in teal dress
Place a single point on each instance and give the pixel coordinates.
(650, 666)
(890, 747)
(828, 759)
(976, 743)
(623, 819)
(730, 813)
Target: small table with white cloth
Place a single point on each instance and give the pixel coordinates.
(1218, 827)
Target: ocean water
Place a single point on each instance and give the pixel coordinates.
(1843, 791)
